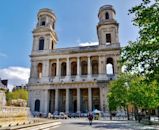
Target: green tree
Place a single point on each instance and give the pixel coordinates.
(142, 55)
(144, 95)
(119, 92)
(17, 94)
(132, 89)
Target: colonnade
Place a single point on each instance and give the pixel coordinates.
(78, 99)
(44, 69)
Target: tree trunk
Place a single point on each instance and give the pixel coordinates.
(158, 113)
(149, 116)
(110, 115)
(136, 113)
(127, 113)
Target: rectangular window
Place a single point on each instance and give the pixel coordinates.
(108, 38)
(43, 23)
(41, 44)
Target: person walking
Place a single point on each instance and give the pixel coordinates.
(90, 118)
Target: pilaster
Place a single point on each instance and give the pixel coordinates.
(56, 99)
(90, 99)
(67, 100)
(89, 68)
(68, 69)
(78, 68)
(78, 100)
(57, 70)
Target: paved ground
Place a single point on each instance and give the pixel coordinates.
(82, 124)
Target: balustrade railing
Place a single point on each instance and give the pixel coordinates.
(10, 111)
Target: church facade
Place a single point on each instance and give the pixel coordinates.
(72, 79)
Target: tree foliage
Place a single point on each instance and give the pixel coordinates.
(118, 94)
(17, 94)
(142, 55)
(144, 95)
(132, 89)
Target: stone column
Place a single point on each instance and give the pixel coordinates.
(45, 71)
(115, 66)
(46, 101)
(57, 70)
(56, 99)
(101, 98)
(78, 100)
(33, 71)
(35, 44)
(67, 101)
(68, 69)
(101, 67)
(89, 68)
(90, 99)
(78, 68)
(106, 105)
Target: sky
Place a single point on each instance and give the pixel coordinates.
(76, 24)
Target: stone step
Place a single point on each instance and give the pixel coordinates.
(38, 126)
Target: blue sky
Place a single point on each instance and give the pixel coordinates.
(76, 23)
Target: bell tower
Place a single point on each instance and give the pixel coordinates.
(107, 28)
(44, 35)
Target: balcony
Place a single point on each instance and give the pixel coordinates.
(74, 78)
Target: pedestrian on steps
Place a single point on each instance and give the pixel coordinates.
(90, 118)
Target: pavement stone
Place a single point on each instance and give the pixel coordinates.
(83, 124)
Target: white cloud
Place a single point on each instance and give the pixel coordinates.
(2, 54)
(88, 44)
(15, 75)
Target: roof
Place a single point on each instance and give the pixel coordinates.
(3, 84)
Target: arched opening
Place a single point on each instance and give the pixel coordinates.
(106, 15)
(40, 66)
(83, 68)
(41, 44)
(63, 69)
(108, 38)
(110, 66)
(73, 68)
(52, 45)
(37, 105)
(94, 67)
(53, 26)
(53, 69)
(43, 21)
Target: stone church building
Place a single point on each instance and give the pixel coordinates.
(72, 79)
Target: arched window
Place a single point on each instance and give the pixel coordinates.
(53, 69)
(108, 38)
(43, 22)
(73, 68)
(52, 45)
(63, 69)
(94, 67)
(53, 26)
(37, 105)
(40, 66)
(106, 15)
(84, 68)
(41, 44)
(110, 66)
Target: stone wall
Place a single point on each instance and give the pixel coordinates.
(2, 98)
(8, 111)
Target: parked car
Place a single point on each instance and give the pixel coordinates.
(55, 115)
(62, 115)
